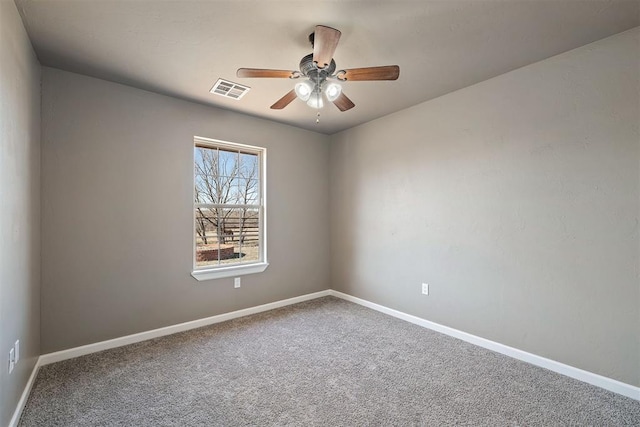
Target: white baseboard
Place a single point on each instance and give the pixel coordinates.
(570, 371)
(25, 395)
(58, 356)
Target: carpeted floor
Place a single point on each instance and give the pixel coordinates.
(324, 362)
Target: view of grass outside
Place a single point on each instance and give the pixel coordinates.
(227, 206)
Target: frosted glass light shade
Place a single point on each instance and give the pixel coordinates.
(315, 100)
(332, 91)
(303, 90)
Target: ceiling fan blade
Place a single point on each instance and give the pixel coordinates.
(260, 72)
(343, 102)
(325, 41)
(284, 101)
(387, 72)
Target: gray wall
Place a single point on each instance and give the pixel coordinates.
(19, 206)
(117, 214)
(516, 199)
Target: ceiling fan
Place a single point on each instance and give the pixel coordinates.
(319, 70)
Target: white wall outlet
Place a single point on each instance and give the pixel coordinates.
(236, 282)
(17, 349)
(425, 288)
(12, 359)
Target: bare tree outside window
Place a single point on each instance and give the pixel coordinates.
(227, 205)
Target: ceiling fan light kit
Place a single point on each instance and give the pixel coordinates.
(307, 92)
(317, 68)
(315, 101)
(332, 91)
(304, 89)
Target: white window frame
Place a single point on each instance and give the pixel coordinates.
(240, 269)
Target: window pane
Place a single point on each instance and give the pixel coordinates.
(236, 195)
(206, 178)
(249, 166)
(248, 191)
(207, 242)
(248, 234)
(203, 193)
(206, 161)
(228, 163)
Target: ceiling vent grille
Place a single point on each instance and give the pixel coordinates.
(229, 89)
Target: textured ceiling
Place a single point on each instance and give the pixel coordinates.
(180, 48)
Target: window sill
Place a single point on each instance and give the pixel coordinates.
(236, 270)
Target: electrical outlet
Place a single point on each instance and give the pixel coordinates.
(17, 350)
(236, 282)
(425, 288)
(12, 359)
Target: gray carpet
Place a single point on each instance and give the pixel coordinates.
(324, 362)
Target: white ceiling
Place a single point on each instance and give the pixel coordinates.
(181, 47)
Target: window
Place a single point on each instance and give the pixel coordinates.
(229, 209)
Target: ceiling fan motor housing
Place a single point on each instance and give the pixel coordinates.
(309, 69)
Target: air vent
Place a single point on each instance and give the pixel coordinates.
(229, 89)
